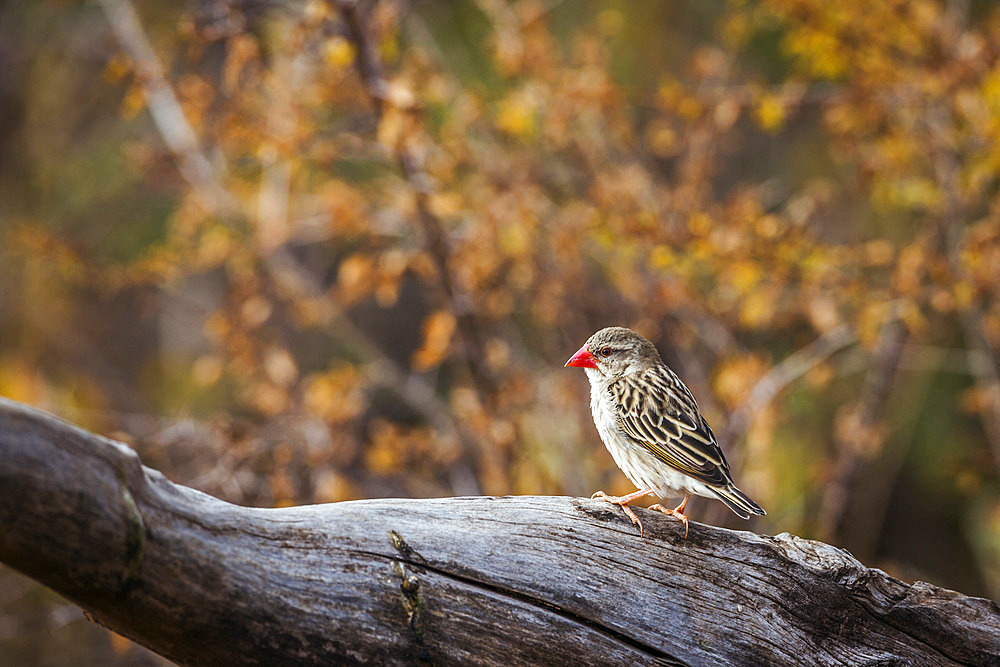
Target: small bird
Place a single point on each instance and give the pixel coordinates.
(651, 424)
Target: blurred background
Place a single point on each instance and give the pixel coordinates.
(294, 252)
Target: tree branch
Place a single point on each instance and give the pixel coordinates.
(280, 265)
(380, 369)
(165, 109)
(983, 360)
(859, 437)
(409, 581)
(790, 369)
(411, 162)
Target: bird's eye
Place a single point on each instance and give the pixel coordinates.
(605, 352)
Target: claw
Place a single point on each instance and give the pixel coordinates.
(677, 512)
(623, 501)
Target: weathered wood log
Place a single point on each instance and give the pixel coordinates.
(514, 580)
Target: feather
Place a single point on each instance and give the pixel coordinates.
(738, 501)
(657, 411)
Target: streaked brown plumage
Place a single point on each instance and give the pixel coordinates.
(651, 424)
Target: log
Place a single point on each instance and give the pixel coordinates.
(483, 580)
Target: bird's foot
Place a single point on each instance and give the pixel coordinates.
(623, 501)
(677, 512)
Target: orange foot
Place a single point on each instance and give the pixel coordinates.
(623, 501)
(677, 512)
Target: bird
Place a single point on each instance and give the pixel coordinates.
(650, 423)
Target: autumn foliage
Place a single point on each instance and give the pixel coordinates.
(352, 259)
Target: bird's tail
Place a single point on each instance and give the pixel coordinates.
(738, 501)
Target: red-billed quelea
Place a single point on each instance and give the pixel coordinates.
(651, 424)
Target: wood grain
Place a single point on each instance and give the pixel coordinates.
(513, 580)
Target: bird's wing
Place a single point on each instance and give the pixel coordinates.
(656, 410)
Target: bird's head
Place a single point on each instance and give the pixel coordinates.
(613, 353)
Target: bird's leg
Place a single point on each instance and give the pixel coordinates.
(623, 501)
(677, 512)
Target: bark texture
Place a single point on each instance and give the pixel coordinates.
(513, 580)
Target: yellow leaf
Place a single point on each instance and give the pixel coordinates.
(513, 238)
(133, 102)
(241, 50)
(332, 487)
(117, 68)
(337, 395)
(280, 367)
(661, 256)
(757, 309)
(516, 115)
(268, 399)
(207, 369)
(727, 112)
(879, 252)
(445, 204)
(316, 10)
(690, 107)
(737, 377)
(438, 330)
(870, 321)
(662, 138)
(819, 376)
(700, 224)
(770, 113)
(392, 127)
(769, 226)
(214, 246)
(823, 312)
(355, 278)
(400, 95)
(744, 275)
(255, 311)
(610, 22)
(338, 52)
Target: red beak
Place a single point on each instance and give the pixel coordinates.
(583, 358)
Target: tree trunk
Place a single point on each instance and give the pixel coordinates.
(513, 580)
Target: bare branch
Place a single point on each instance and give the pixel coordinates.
(411, 162)
(381, 370)
(983, 360)
(858, 441)
(790, 369)
(182, 141)
(204, 582)
(165, 109)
